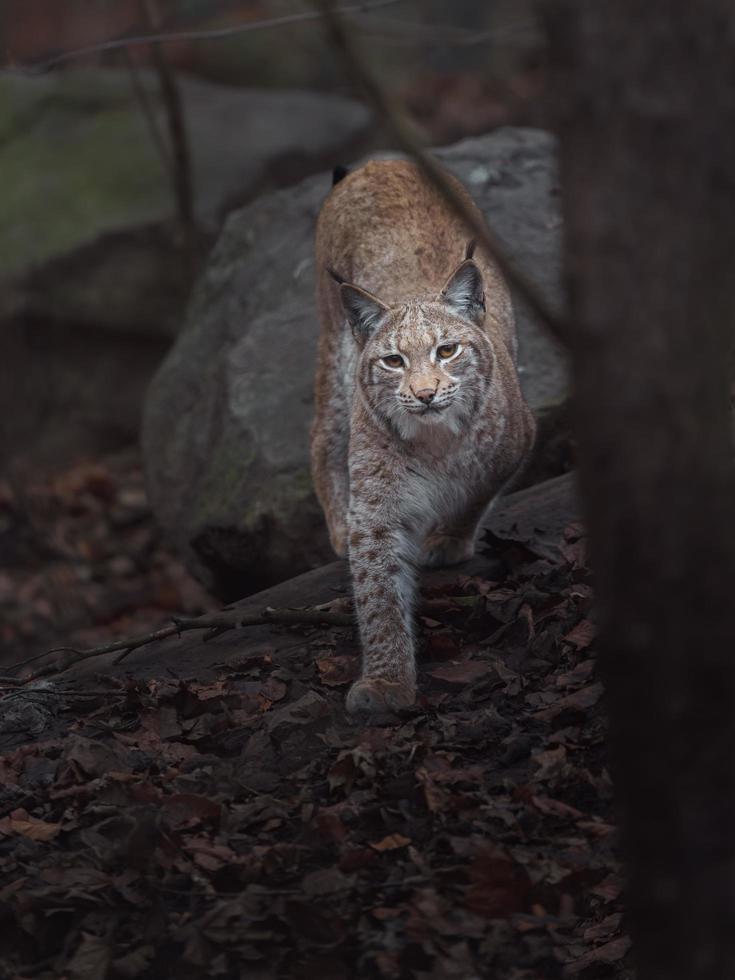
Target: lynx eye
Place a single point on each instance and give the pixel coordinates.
(393, 361)
(446, 351)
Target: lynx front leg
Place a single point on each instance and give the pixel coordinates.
(384, 584)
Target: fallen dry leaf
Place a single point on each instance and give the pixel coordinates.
(337, 671)
(499, 886)
(19, 822)
(606, 954)
(580, 700)
(391, 843)
(582, 635)
(460, 673)
(556, 808)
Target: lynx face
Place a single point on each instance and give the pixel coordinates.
(423, 363)
(425, 366)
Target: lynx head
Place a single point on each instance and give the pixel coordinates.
(423, 362)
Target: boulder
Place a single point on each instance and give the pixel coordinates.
(227, 416)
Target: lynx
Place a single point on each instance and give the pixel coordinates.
(420, 420)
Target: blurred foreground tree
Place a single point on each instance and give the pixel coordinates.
(646, 114)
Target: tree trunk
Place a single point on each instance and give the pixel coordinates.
(645, 95)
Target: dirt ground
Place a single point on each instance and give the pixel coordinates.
(237, 824)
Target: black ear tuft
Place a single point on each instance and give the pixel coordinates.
(336, 276)
(364, 311)
(464, 292)
(339, 173)
(470, 250)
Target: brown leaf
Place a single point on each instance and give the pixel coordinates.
(92, 757)
(336, 671)
(463, 672)
(483, 585)
(579, 700)
(555, 808)
(391, 843)
(582, 635)
(550, 763)
(134, 963)
(501, 595)
(608, 889)
(596, 828)
(440, 645)
(435, 797)
(273, 690)
(20, 822)
(330, 823)
(382, 913)
(499, 885)
(190, 810)
(607, 954)
(314, 922)
(603, 930)
(343, 772)
(578, 676)
(357, 858)
(207, 854)
(91, 959)
(207, 692)
(325, 881)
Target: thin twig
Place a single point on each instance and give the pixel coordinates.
(136, 41)
(180, 155)
(222, 622)
(143, 99)
(407, 139)
(446, 35)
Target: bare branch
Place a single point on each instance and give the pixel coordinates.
(179, 142)
(328, 614)
(136, 41)
(407, 140)
(144, 102)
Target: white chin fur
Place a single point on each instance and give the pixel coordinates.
(414, 425)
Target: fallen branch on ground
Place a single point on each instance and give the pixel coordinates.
(328, 614)
(405, 136)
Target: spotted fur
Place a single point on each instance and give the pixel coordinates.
(407, 457)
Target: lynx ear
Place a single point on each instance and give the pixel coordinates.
(464, 292)
(363, 310)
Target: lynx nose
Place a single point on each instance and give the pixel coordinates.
(425, 395)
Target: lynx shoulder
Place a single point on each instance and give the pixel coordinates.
(419, 420)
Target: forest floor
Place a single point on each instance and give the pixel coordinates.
(237, 824)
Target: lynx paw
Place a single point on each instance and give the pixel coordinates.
(375, 696)
(443, 549)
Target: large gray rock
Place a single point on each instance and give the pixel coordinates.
(227, 417)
